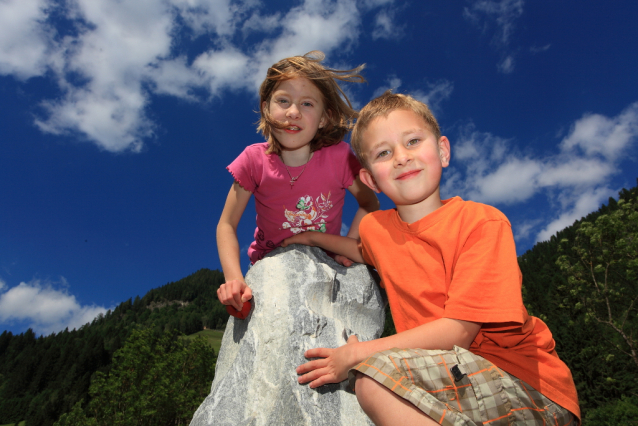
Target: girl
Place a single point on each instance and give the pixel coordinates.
(300, 175)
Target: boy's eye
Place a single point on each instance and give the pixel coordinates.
(413, 142)
(383, 153)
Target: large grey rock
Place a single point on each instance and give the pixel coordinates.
(302, 299)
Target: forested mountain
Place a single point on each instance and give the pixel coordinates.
(582, 283)
(43, 377)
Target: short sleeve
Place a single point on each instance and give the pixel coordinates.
(351, 166)
(247, 168)
(486, 281)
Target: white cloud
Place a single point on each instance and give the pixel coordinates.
(596, 134)
(580, 205)
(24, 37)
(575, 179)
(111, 56)
(385, 26)
(44, 308)
(435, 94)
(392, 83)
(432, 96)
(506, 66)
(503, 15)
(540, 49)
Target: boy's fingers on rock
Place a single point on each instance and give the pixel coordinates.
(318, 353)
(310, 366)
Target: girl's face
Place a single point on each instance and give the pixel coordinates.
(299, 105)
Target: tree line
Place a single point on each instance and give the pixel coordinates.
(43, 377)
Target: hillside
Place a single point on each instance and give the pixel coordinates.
(583, 284)
(43, 377)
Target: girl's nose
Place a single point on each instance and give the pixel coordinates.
(293, 112)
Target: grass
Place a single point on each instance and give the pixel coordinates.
(22, 423)
(213, 337)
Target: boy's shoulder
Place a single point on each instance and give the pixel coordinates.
(468, 213)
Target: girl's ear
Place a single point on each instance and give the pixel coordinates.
(368, 180)
(324, 118)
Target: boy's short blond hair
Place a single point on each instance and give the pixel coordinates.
(339, 113)
(381, 107)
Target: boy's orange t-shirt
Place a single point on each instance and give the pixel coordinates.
(460, 262)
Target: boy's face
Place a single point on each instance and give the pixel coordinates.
(404, 159)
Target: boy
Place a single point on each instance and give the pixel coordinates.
(449, 269)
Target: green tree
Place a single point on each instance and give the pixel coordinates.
(602, 272)
(156, 379)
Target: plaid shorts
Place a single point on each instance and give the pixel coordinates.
(483, 395)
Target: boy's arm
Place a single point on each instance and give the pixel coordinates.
(333, 365)
(345, 246)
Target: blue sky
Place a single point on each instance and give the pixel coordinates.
(117, 120)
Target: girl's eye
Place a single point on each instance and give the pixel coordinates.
(281, 101)
(308, 104)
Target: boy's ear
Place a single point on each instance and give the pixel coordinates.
(368, 180)
(444, 151)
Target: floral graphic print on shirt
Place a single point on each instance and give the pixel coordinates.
(309, 216)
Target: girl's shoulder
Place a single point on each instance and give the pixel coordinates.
(257, 148)
(338, 149)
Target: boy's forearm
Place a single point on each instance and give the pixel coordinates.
(443, 333)
(345, 246)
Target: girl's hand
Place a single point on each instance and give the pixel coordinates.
(342, 260)
(304, 238)
(234, 293)
(333, 366)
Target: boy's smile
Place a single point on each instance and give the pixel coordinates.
(405, 162)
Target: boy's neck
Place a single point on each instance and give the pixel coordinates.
(411, 213)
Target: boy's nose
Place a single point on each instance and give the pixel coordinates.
(402, 157)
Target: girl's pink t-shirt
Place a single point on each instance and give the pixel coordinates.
(313, 203)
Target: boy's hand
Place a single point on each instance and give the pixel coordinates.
(332, 367)
(234, 293)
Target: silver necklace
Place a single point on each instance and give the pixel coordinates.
(294, 179)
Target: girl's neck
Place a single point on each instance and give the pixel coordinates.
(297, 157)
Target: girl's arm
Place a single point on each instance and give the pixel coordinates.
(345, 247)
(368, 202)
(235, 291)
